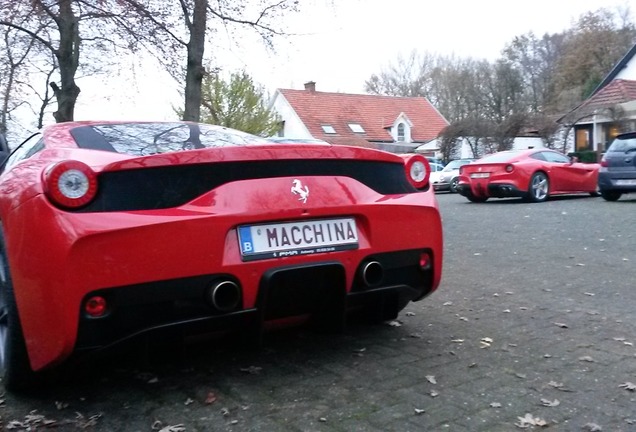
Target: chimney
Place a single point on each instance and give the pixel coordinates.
(310, 86)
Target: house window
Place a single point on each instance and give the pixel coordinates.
(582, 139)
(400, 132)
(328, 129)
(356, 127)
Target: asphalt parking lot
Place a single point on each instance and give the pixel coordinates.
(531, 329)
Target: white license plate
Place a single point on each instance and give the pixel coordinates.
(480, 175)
(297, 238)
(631, 182)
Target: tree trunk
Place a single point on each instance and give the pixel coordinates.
(68, 59)
(195, 69)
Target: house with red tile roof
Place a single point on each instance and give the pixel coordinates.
(395, 124)
(609, 110)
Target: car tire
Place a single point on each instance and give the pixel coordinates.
(14, 361)
(611, 195)
(453, 185)
(473, 198)
(539, 187)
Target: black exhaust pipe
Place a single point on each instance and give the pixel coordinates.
(372, 273)
(224, 295)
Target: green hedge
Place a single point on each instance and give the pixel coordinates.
(586, 156)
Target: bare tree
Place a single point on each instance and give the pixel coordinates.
(187, 25)
(66, 29)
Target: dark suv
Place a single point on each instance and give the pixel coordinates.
(618, 168)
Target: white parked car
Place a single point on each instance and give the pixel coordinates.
(447, 178)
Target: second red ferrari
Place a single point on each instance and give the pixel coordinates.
(532, 174)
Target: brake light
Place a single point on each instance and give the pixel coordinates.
(604, 162)
(70, 184)
(509, 168)
(417, 169)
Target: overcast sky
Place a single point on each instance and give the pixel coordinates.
(340, 43)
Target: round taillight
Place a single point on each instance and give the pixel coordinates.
(417, 170)
(70, 184)
(96, 306)
(509, 168)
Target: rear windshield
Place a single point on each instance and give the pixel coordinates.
(626, 144)
(499, 157)
(453, 165)
(142, 139)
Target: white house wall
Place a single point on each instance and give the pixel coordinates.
(294, 127)
(628, 72)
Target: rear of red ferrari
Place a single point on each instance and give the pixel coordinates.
(480, 181)
(104, 246)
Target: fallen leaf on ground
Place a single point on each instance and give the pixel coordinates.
(431, 379)
(410, 314)
(495, 405)
(173, 428)
(210, 398)
(549, 403)
(562, 325)
(628, 386)
(61, 405)
(395, 324)
(529, 420)
(252, 370)
(592, 427)
(419, 411)
(586, 359)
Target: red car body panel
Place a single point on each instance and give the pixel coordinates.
(57, 257)
(564, 178)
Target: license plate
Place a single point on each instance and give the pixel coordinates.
(297, 238)
(480, 175)
(631, 182)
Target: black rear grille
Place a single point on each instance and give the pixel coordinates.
(172, 186)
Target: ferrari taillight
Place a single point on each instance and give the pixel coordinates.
(70, 184)
(604, 162)
(417, 170)
(509, 168)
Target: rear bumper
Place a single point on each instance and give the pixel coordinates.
(317, 291)
(610, 181)
(441, 187)
(495, 190)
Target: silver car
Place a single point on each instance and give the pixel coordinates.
(448, 178)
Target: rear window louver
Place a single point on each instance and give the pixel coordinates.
(173, 186)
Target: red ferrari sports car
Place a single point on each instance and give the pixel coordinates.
(531, 174)
(113, 230)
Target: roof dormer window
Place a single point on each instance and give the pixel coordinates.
(328, 129)
(401, 132)
(356, 128)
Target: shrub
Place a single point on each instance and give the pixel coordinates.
(586, 156)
